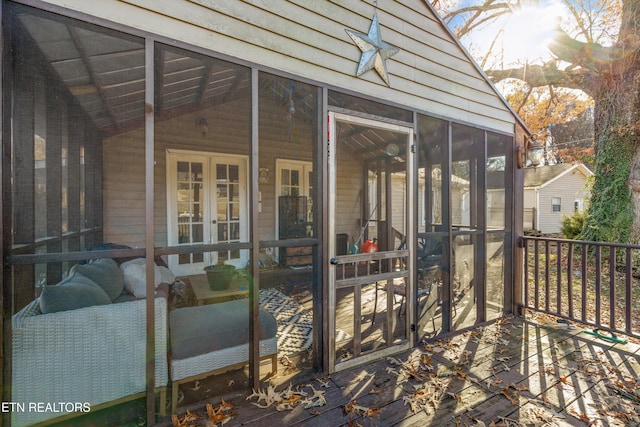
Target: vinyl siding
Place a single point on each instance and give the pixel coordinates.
(431, 72)
(568, 187)
(530, 209)
(124, 192)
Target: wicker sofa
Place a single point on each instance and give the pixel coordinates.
(94, 354)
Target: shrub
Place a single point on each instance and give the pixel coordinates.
(572, 225)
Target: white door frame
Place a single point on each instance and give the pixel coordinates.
(209, 160)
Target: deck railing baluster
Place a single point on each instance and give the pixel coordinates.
(612, 287)
(628, 296)
(584, 283)
(536, 263)
(546, 275)
(598, 289)
(595, 277)
(559, 278)
(570, 278)
(526, 274)
(357, 322)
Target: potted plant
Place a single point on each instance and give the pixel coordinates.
(220, 275)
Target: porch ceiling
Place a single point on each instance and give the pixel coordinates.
(104, 72)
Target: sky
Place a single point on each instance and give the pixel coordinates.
(524, 34)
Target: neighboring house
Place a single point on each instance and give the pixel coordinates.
(553, 192)
(202, 132)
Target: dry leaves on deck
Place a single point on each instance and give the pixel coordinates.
(287, 399)
(216, 416)
(363, 411)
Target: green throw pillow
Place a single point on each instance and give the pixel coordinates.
(106, 273)
(76, 291)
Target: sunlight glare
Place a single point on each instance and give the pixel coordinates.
(527, 33)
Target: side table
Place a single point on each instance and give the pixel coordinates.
(205, 295)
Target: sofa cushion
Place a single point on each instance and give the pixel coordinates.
(106, 273)
(135, 277)
(207, 328)
(76, 291)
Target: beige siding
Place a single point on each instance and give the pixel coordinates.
(568, 187)
(307, 38)
(530, 207)
(123, 189)
(349, 195)
(124, 194)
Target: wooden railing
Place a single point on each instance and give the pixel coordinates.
(594, 283)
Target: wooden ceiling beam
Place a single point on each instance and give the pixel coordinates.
(75, 37)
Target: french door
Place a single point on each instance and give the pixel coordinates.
(206, 204)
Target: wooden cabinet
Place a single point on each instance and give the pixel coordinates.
(293, 224)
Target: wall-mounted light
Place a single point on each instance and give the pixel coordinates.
(392, 150)
(530, 153)
(203, 125)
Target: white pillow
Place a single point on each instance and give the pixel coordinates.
(135, 277)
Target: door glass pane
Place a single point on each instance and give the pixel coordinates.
(222, 212)
(197, 233)
(183, 171)
(234, 174)
(221, 173)
(234, 192)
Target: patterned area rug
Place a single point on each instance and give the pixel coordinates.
(295, 323)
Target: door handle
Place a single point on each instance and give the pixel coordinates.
(214, 222)
(333, 261)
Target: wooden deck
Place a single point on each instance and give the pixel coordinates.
(514, 372)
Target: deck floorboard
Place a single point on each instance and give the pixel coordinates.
(514, 372)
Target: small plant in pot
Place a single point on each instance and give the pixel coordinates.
(220, 275)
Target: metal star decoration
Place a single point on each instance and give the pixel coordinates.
(375, 52)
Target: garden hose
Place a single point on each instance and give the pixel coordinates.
(611, 338)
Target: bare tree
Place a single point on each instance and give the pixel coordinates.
(598, 52)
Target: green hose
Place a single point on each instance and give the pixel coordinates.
(611, 338)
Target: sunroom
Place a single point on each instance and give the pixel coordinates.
(188, 211)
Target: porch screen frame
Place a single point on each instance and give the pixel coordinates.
(330, 332)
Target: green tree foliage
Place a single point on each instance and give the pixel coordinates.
(611, 209)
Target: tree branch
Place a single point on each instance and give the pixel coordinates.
(591, 56)
(542, 75)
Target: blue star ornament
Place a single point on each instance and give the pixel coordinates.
(375, 52)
